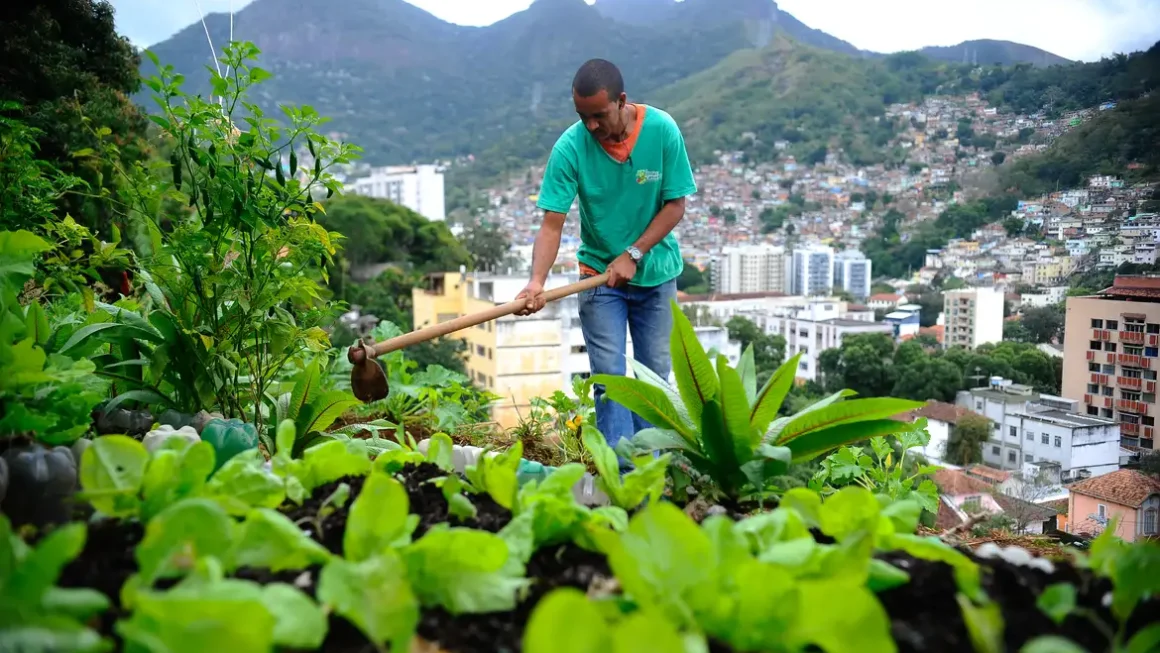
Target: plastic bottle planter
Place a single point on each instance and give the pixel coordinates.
(121, 421)
(585, 489)
(229, 437)
(41, 483)
(157, 438)
(178, 420)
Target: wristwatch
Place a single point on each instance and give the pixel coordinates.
(634, 253)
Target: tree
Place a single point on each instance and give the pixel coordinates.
(998, 158)
(965, 442)
(1044, 324)
(700, 315)
(928, 379)
(931, 301)
(768, 350)
(378, 231)
(863, 364)
(1027, 491)
(1014, 226)
(63, 62)
(692, 278)
(488, 245)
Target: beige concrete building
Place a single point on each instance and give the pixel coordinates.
(1111, 343)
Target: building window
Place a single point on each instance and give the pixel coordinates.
(1097, 324)
(1096, 345)
(1010, 456)
(1109, 391)
(1092, 410)
(1093, 389)
(1106, 413)
(489, 353)
(1150, 352)
(1058, 441)
(1029, 459)
(579, 349)
(1101, 511)
(995, 425)
(1014, 432)
(1149, 525)
(1110, 347)
(972, 505)
(978, 405)
(480, 351)
(1109, 369)
(1093, 367)
(995, 451)
(1112, 325)
(1153, 328)
(1030, 436)
(1044, 438)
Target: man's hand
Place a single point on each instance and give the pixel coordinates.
(534, 294)
(621, 271)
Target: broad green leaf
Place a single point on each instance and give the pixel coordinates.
(267, 539)
(80, 603)
(644, 373)
(299, 623)
(206, 618)
(718, 446)
(1057, 644)
(885, 576)
(645, 482)
(242, 484)
(654, 439)
(854, 410)
(903, 514)
(174, 475)
(1057, 601)
(306, 387)
(777, 425)
(327, 408)
(440, 449)
(606, 463)
(36, 324)
(111, 474)
(646, 400)
(330, 461)
(754, 608)
(375, 596)
(850, 510)
(853, 620)
(378, 518)
(747, 370)
(1146, 640)
(816, 443)
(464, 571)
(1135, 576)
(691, 366)
(772, 394)
(645, 631)
(806, 503)
(147, 397)
(735, 411)
(984, 624)
(180, 535)
(565, 621)
(37, 572)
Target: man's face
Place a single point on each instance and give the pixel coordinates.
(600, 114)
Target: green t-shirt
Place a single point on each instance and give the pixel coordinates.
(619, 200)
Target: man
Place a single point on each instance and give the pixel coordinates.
(627, 164)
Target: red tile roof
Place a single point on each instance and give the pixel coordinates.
(946, 517)
(989, 474)
(1126, 487)
(955, 482)
(941, 411)
(885, 297)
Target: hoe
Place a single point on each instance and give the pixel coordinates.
(369, 380)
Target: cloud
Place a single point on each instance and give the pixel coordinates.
(1076, 29)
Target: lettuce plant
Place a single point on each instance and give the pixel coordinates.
(35, 614)
(718, 421)
(646, 482)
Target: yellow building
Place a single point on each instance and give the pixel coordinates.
(516, 358)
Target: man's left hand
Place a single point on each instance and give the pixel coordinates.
(621, 271)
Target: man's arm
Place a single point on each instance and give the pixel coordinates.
(547, 246)
(662, 223)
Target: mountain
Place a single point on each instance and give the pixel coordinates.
(986, 52)
(407, 86)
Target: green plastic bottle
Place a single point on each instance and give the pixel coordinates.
(229, 437)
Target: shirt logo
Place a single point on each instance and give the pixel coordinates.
(645, 176)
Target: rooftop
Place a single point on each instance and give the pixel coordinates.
(1064, 418)
(938, 410)
(725, 297)
(1126, 487)
(989, 474)
(955, 482)
(1144, 287)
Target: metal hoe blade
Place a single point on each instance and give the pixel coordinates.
(368, 379)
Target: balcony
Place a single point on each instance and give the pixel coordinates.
(1130, 406)
(1153, 340)
(1111, 358)
(1132, 337)
(1129, 429)
(1132, 360)
(1129, 382)
(1087, 399)
(1108, 402)
(1149, 431)
(1100, 379)
(1091, 355)
(1150, 387)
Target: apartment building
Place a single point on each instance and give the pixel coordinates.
(1111, 347)
(812, 329)
(852, 273)
(750, 269)
(1038, 433)
(419, 188)
(520, 358)
(972, 317)
(813, 271)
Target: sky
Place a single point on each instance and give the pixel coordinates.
(1076, 29)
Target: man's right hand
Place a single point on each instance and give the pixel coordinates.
(534, 294)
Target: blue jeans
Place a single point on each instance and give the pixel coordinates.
(606, 315)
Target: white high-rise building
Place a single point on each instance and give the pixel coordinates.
(972, 317)
(749, 269)
(419, 188)
(813, 271)
(852, 273)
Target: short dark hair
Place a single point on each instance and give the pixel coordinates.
(598, 75)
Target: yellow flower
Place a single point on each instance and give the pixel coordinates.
(574, 423)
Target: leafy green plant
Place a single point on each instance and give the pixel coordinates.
(235, 281)
(310, 408)
(567, 615)
(33, 610)
(883, 473)
(1132, 569)
(646, 482)
(725, 428)
(46, 395)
